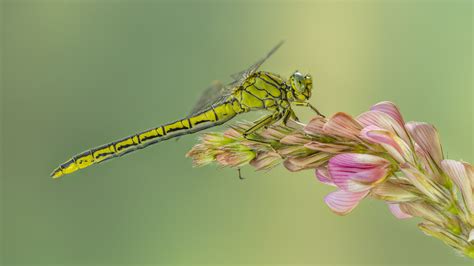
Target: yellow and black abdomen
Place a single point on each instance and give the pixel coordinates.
(211, 117)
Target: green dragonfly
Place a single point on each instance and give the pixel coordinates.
(250, 90)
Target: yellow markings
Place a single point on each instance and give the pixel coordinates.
(72, 167)
(135, 140)
(269, 103)
(216, 113)
(230, 109)
(150, 134)
(208, 116)
(174, 127)
(160, 131)
(212, 115)
(259, 93)
(284, 104)
(198, 119)
(57, 173)
(185, 123)
(121, 146)
(268, 81)
(250, 100)
(102, 154)
(84, 161)
(236, 106)
(221, 111)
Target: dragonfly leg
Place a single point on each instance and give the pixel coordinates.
(289, 114)
(261, 123)
(306, 104)
(293, 116)
(240, 174)
(286, 116)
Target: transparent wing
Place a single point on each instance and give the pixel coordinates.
(239, 77)
(214, 94)
(218, 92)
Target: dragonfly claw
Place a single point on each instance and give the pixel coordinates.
(240, 175)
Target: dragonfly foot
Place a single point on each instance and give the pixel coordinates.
(240, 174)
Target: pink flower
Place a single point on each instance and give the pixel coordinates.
(343, 202)
(315, 126)
(385, 115)
(393, 144)
(323, 176)
(354, 174)
(357, 172)
(326, 147)
(397, 211)
(342, 125)
(295, 139)
(375, 155)
(306, 162)
(426, 136)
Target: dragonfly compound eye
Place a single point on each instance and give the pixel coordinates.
(298, 81)
(308, 81)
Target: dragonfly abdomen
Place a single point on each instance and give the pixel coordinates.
(216, 115)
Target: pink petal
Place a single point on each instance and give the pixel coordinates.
(273, 133)
(343, 125)
(295, 139)
(294, 150)
(315, 126)
(326, 147)
(426, 162)
(457, 172)
(397, 212)
(233, 133)
(343, 202)
(290, 166)
(390, 109)
(427, 137)
(470, 173)
(384, 121)
(323, 176)
(266, 160)
(431, 168)
(357, 172)
(394, 145)
(305, 162)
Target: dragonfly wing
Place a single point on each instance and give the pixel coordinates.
(213, 94)
(239, 77)
(218, 92)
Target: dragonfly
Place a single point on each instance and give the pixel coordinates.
(250, 90)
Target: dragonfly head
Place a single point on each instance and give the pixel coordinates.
(301, 86)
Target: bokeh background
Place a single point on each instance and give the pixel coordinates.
(76, 74)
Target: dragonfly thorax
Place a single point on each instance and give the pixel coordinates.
(300, 87)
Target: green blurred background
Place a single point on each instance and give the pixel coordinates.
(76, 74)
